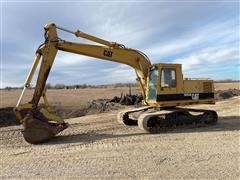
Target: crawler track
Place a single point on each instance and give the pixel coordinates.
(165, 120)
(154, 121)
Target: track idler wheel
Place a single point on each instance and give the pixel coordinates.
(123, 118)
(38, 131)
(149, 124)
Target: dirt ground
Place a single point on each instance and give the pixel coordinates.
(225, 86)
(97, 147)
(65, 97)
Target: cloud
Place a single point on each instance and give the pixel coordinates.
(209, 56)
(203, 50)
(120, 72)
(64, 59)
(194, 34)
(210, 35)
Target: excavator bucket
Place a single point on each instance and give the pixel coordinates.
(38, 130)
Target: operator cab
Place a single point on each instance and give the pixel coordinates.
(163, 79)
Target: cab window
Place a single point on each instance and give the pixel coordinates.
(168, 77)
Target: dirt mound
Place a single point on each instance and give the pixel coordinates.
(7, 117)
(98, 106)
(127, 99)
(226, 94)
(92, 107)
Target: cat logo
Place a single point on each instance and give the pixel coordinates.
(195, 96)
(107, 53)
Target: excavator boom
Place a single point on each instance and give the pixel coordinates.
(37, 123)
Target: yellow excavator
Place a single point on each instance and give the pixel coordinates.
(162, 86)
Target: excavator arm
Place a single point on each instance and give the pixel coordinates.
(38, 121)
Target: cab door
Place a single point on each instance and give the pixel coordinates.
(152, 84)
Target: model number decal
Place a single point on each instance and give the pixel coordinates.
(107, 53)
(194, 96)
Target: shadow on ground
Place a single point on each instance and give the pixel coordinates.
(228, 123)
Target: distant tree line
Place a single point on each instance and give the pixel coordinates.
(116, 85)
(226, 81)
(83, 86)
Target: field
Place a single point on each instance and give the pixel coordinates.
(96, 146)
(78, 97)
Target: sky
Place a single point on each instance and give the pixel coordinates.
(202, 36)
